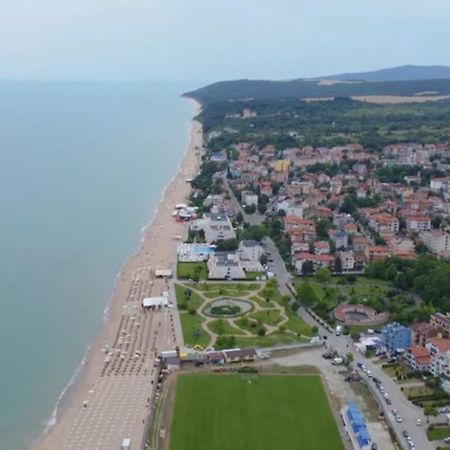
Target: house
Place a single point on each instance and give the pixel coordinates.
(441, 321)
(418, 223)
(321, 248)
(249, 198)
(225, 266)
(340, 239)
(422, 332)
(266, 188)
(384, 223)
(317, 261)
(396, 337)
(347, 260)
(341, 219)
(360, 244)
(418, 358)
(439, 349)
(438, 242)
(377, 252)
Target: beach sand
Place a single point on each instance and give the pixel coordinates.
(112, 396)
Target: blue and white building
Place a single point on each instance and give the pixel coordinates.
(396, 337)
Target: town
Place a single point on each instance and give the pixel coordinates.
(333, 232)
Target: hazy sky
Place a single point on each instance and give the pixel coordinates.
(209, 40)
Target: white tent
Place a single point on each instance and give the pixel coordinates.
(163, 273)
(150, 302)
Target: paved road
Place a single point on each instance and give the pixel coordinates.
(277, 266)
(251, 219)
(343, 344)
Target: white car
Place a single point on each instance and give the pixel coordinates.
(419, 422)
(399, 419)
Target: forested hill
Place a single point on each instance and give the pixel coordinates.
(401, 73)
(271, 90)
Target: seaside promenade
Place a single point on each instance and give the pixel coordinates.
(112, 399)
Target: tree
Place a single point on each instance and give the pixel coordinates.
(400, 281)
(338, 265)
(349, 358)
(355, 336)
(263, 259)
(228, 245)
(306, 294)
(430, 411)
(307, 268)
(323, 275)
(261, 331)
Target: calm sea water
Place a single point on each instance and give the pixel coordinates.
(82, 167)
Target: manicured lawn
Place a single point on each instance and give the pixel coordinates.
(193, 333)
(223, 327)
(230, 285)
(195, 301)
(268, 317)
(226, 412)
(261, 302)
(270, 340)
(297, 325)
(438, 433)
(418, 391)
(188, 270)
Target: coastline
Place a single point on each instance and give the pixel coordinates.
(157, 232)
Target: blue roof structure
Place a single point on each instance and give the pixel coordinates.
(358, 423)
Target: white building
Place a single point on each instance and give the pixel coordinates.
(250, 253)
(225, 266)
(418, 223)
(249, 198)
(437, 242)
(347, 260)
(217, 227)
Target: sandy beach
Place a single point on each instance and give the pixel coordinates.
(111, 399)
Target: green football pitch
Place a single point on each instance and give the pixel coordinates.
(234, 412)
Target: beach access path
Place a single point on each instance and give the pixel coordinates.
(112, 398)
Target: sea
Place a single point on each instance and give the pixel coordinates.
(82, 170)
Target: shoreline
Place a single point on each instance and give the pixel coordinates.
(87, 372)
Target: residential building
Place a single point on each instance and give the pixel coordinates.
(249, 198)
(418, 358)
(395, 337)
(439, 349)
(441, 321)
(384, 223)
(377, 252)
(321, 248)
(418, 223)
(317, 261)
(422, 332)
(340, 239)
(347, 260)
(437, 241)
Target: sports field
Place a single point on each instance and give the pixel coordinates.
(229, 412)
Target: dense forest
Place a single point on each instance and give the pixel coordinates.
(291, 122)
(265, 89)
